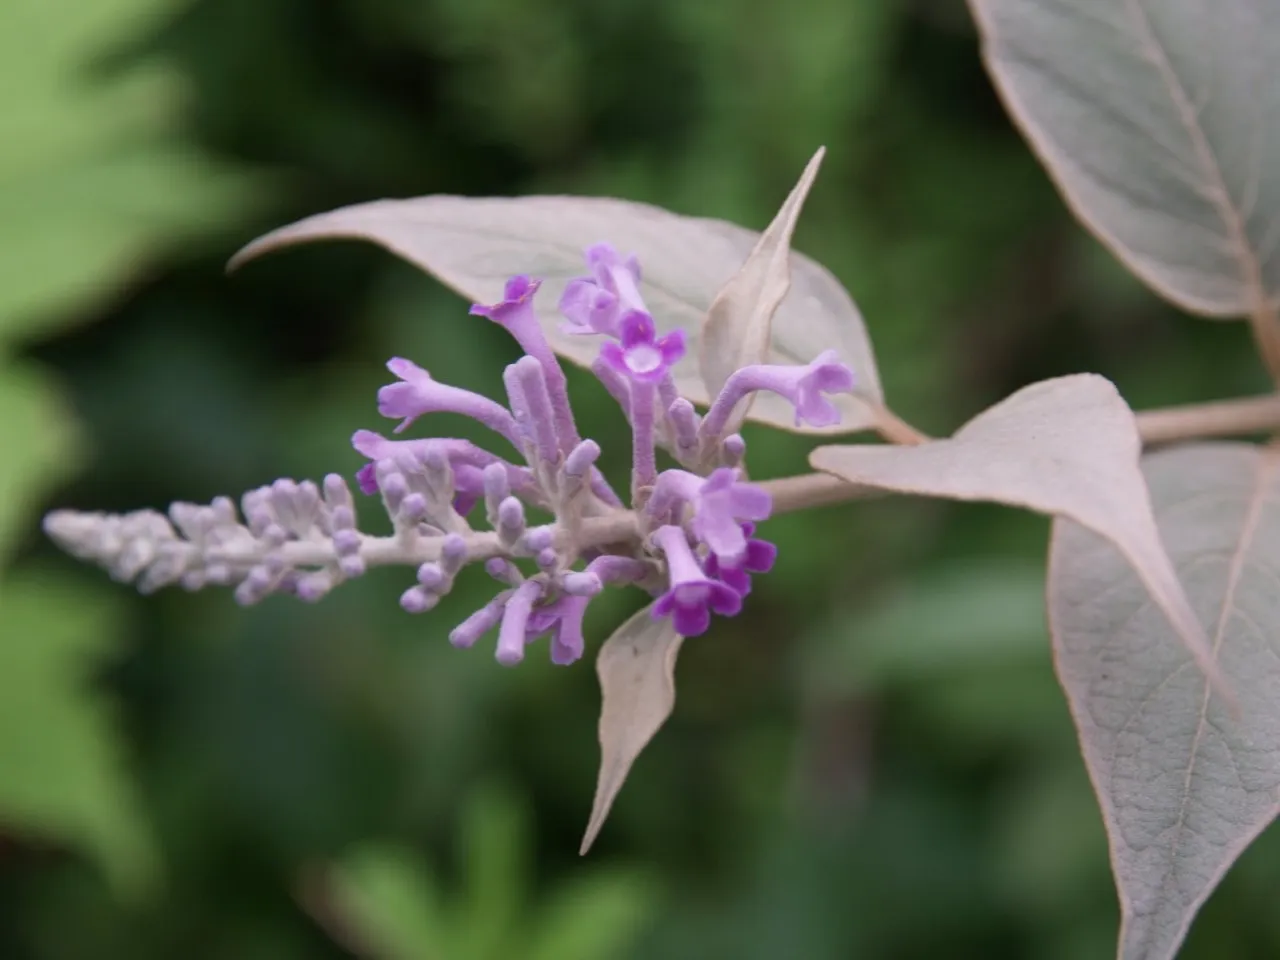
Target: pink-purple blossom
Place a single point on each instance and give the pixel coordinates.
(643, 356)
(691, 596)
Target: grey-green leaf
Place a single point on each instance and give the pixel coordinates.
(1184, 786)
(738, 327)
(1153, 118)
(1065, 447)
(636, 667)
(473, 244)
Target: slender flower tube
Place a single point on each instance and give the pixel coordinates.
(417, 393)
(691, 596)
(515, 620)
(515, 312)
(803, 386)
(644, 358)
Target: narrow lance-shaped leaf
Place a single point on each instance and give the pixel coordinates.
(473, 244)
(1066, 447)
(636, 667)
(1152, 118)
(1184, 785)
(738, 326)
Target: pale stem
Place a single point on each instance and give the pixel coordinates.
(1266, 335)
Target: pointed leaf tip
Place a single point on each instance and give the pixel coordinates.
(474, 244)
(1066, 447)
(1184, 787)
(636, 667)
(738, 328)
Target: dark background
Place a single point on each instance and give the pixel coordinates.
(875, 761)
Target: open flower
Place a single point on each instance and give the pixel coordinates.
(720, 504)
(643, 356)
(563, 619)
(597, 303)
(804, 386)
(691, 595)
(758, 557)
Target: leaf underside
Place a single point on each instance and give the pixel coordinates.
(1184, 785)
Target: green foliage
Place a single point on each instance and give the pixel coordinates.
(925, 799)
(393, 906)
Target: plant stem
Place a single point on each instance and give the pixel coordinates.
(896, 430)
(1266, 335)
(1223, 418)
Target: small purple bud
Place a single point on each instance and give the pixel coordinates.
(417, 600)
(581, 459)
(581, 584)
(218, 573)
(547, 559)
(431, 576)
(313, 587)
(537, 539)
(224, 510)
(453, 553)
(684, 426)
(352, 566)
(343, 518)
(496, 488)
(510, 520)
(336, 492)
(413, 507)
(733, 450)
(346, 542)
(503, 570)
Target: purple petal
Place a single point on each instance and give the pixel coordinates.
(725, 601)
(719, 531)
(760, 556)
(672, 348)
(749, 502)
(636, 328)
(367, 478)
(691, 621)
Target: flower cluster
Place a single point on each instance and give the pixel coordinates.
(685, 534)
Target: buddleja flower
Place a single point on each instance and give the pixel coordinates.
(686, 535)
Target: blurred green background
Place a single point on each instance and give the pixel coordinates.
(875, 762)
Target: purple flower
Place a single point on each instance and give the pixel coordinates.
(588, 309)
(691, 595)
(516, 306)
(757, 558)
(417, 393)
(515, 312)
(564, 617)
(595, 304)
(643, 356)
(720, 503)
(803, 386)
